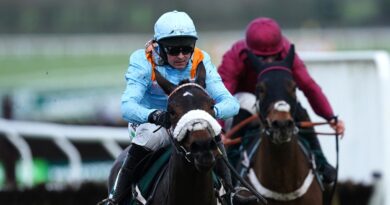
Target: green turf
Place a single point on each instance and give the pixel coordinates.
(61, 71)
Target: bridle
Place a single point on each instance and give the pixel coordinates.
(180, 149)
(262, 114)
(189, 156)
(303, 126)
(187, 85)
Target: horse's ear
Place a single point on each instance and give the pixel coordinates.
(167, 86)
(289, 60)
(201, 75)
(257, 64)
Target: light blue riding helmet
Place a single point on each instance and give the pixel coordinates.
(174, 24)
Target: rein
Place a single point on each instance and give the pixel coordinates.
(337, 164)
(189, 158)
(303, 124)
(182, 151)
(226, 139)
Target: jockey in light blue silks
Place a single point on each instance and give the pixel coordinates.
(173, 53)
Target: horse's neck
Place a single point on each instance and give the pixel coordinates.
(187, 185)
(280, 167)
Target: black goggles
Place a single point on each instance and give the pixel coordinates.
(274, 57)
(176, 50)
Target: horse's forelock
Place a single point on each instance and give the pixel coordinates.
(184, 81)
(186, 86)
(274, 81)
(187, 97)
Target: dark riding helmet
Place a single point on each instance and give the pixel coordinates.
(264, 37)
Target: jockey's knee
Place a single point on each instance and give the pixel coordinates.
(247, 108)
(301, 113)
(247, 101)
(147, 137)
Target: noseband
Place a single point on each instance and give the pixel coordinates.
(283, 106)
(193, 120)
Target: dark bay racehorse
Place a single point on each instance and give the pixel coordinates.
(188, 177)
(279, 168)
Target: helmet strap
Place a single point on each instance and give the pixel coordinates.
(162, 54)
(151, 46)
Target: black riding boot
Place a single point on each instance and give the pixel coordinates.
(328, 171)
(223, 171)
(126, 175)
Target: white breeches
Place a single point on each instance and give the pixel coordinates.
(143, 135)
(247, 102)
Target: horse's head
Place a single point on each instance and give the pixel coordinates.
(276, 96)
(192, 118)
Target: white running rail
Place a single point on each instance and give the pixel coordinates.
(62, 136)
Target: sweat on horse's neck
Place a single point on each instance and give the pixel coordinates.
(191, 186)
(282, 170)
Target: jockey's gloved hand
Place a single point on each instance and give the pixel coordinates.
(337, 125)
(160, 117)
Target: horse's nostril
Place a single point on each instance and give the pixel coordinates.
(275, 123)
(290, 123)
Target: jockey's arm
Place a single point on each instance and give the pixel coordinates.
(137, 79)
(226, 105)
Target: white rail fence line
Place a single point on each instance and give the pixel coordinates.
(62, 136)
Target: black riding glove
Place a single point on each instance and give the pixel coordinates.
(160, 117)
